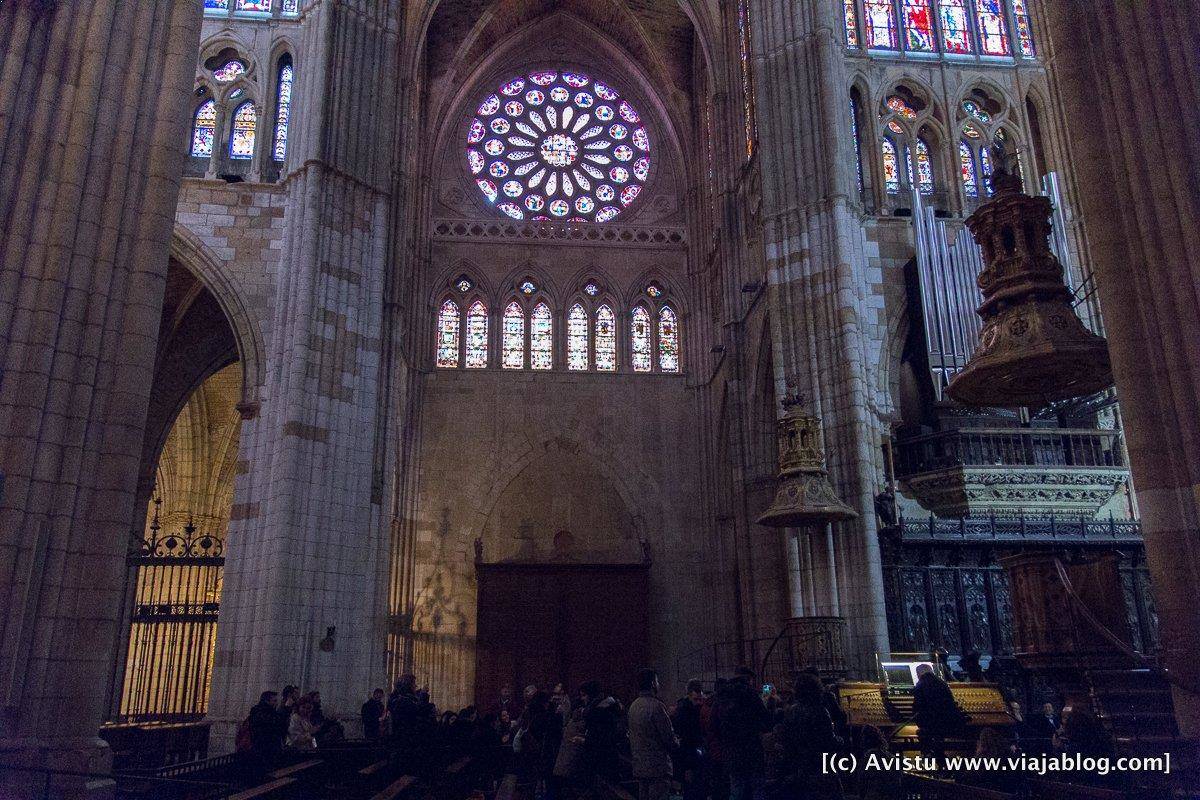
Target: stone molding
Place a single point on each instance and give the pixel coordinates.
(979, 491)
(660, 237)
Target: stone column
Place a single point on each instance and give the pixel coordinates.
(93, 127)
(1127, 86)
(819, 280)
(304, 592)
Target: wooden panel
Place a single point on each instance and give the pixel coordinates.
(545, 623)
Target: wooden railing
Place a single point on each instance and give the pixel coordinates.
(1009, 447)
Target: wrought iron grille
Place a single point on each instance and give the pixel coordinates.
(176, 593)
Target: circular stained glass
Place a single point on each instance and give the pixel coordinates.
(556, 139)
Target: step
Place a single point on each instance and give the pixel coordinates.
(397, 788)
(263, 789)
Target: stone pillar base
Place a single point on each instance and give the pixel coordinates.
(26, 763)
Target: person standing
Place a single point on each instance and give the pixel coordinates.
(689, 727)
(374, 716)
(266, 734)
(651, 739)
(741, 721)
(935, 712)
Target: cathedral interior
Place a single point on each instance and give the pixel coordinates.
(508, 342)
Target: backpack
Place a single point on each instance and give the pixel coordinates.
(242, 742)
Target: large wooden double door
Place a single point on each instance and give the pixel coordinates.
(548, 623)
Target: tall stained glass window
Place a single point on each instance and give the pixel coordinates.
(881, 25)
(283, 109)
(956, 27)
(513, 341)
(924, 168)
(668, 340)
(541, 338)
(918, 26)
(577, 338)
(447, 334)
(1024, 28)
(985, 169)
(993, 31)
(204, 129)
(477, 335)
(850, 13)
(966, 161)
(606, 339)
(891, 167)
(216, 5)
(254, 6)
(854, 137)
(640, 337)
(747, 76)
(241, 136)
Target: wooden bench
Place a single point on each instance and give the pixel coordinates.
(263, 789)
(458, 766)
(508, 788)
(397, 788)
(371, 769)
(295, 769)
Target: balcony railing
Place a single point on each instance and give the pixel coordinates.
(1051, 529)
(1009, 447)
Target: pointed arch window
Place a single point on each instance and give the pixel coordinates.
(881, 25)
(640, 340)
(966, 161)
(513, 340)
(283, 108)
(891, 166)
(850, 14)
(924, 169)
(918, 26)
(477, 336)
(448, 326)
(541, 338)
(668, 340)
(854, 136)
(606, 339)
(993, 30)
(956, 26)
(985, 170)
(1024, 28)
(577, 339)
(204, 129)
(241, 136)
(254, 6)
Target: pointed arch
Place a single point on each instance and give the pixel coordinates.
(541, 337)
(606, 339)
(512, 346)
(242, 132)
(641, 337)
(668, 340)
(285, 78)
(477, 336)
(204, 129)
(449, 328)
(578, 358)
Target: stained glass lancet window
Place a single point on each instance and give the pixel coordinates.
(850, 12)
(558, 146)
(985, 169)
(668, 340)
(993, 31)
(1024, 29)
(448, 331)
(241, 137)
(751, 124)
(216, 5)
(918, 26)
(854, 137)
(204, 129)
(966, 160)
(513, 344)
(924, 168)
(881, 25)
(283, 109)
(477, 335)
(956, 27)
(291, 7)
(891, 167)
(254, 6)
(640, 339)
(577, 338)
(606, 339)
(541, 339)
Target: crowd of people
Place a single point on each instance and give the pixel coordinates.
(741, 741)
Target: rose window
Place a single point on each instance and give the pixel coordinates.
(556, 146)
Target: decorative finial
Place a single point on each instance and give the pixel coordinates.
(1005, 176)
